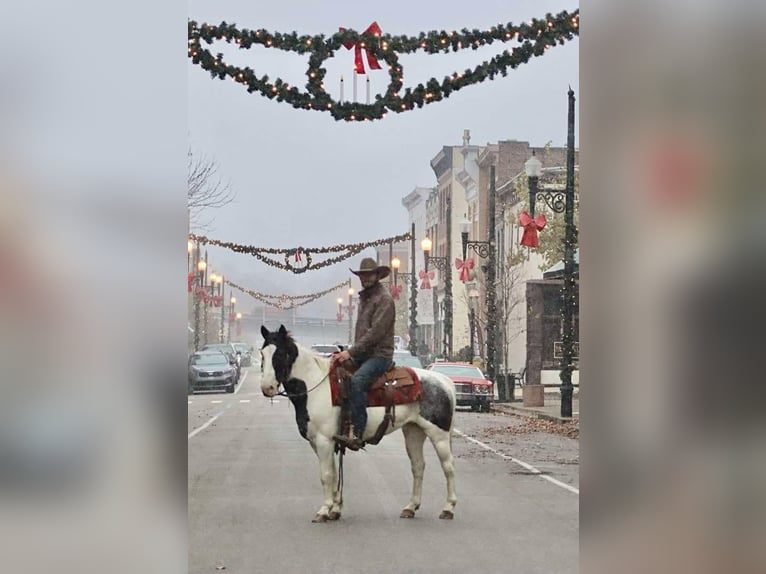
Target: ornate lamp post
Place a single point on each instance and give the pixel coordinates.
(413, 280)
(562, 202)
(239, 325)
(486, 250)
(442, 264)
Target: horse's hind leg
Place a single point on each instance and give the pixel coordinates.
(442, 442)
(414, 437)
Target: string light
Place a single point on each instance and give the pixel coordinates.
(299, 253)
(279, 301)
(559, 28)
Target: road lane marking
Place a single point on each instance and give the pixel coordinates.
(244, 400)
(216, 402)
(203, 427)
(242, 382)
(521, 463)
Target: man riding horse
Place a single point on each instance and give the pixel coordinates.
(372, 351)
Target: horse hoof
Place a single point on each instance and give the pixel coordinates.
(447, 515)
(320, 518)
(407, 513)
(333, 516)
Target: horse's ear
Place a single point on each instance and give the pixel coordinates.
(282, 331)
(264, 331)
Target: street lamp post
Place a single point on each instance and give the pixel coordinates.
(232, 301)
(222, 285)
(204, 278)
(239, 326)
(473, 296)
(412, 279)
(350, 314)
(442, 264)
(559, 202)
(200, 267)
(486, 250)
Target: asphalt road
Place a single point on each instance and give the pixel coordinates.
(254, 488)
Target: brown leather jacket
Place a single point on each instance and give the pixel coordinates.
(374, 336)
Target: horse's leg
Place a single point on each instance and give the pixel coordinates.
(414, 437)
(442, 442)
(324, 449)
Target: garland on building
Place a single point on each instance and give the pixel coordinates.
(534, 37)
(302, 255)
(286, 302)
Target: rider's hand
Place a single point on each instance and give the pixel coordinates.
(341, 357)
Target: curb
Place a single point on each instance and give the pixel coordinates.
(531, 413)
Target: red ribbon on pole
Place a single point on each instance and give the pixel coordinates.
(464, 267)
(339, 316)
(531, 227)
(426, 276)
(372, 62)
(395, 291)
(191, 281)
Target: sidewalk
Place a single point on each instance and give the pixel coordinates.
(551, 411)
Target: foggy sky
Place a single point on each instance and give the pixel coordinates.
(303, 178)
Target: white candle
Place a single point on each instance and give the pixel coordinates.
(341, 89)
(355, 74)
(368, 89)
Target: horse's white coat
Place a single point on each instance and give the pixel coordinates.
(323, 424)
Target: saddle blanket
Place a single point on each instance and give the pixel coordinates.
(403, 384)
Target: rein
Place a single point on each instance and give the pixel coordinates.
(303, 394)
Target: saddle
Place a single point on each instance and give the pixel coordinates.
(397, 386)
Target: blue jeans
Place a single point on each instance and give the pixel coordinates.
(368, 371)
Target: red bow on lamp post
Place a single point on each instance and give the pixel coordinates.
(531, 227)
(339, 316)
(191, 281)
(395, 291)
(465, 268)
(426, 276)
(372, 62)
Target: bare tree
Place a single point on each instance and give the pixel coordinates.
(205, 191)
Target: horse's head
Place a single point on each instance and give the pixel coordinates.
(278, 355)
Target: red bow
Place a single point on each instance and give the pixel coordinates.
(372, 62)
(232, 316)
(298, 255)
(191, 281)
(339, 316)
(426, 276)
(531, 227)
(395, 291)
(464, 267)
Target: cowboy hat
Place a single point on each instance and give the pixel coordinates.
(369, 265)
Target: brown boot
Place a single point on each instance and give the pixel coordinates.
(351, 442)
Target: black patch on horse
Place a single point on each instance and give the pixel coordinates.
(283, 360)
(296, 392)
(435, 405)
(285, 354)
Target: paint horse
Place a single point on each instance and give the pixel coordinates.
(305, 377)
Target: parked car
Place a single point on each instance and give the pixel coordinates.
(471, 385)
(210, 370)
(326, 350)
(246, 354)
(229, 350)
(407, 359)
